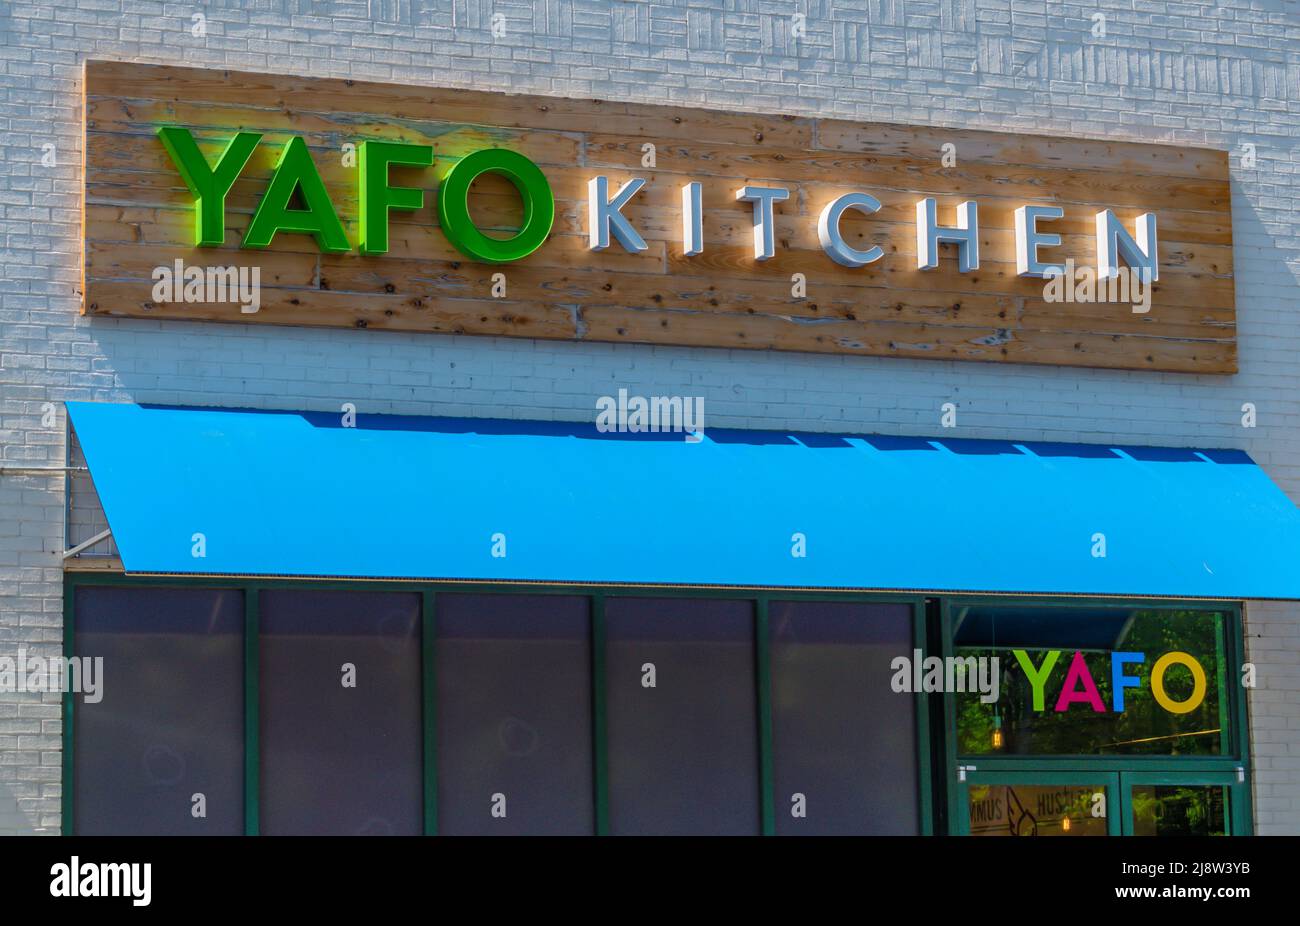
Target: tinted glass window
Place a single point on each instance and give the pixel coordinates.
(682, 716)
(340, 713)
(844, 743)
(1095, 681)
(169, 723)
(514, 715)
(1180, 810)
(1037, 810)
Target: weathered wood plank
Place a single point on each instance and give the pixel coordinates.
(711, 286)
(974, 179)
(925, 143)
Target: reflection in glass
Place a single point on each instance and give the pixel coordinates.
(1180, 810)
(1015, 726)
(1037, 810)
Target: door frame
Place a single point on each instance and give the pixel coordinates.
(1239, 823)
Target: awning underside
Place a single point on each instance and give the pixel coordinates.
(299, 494)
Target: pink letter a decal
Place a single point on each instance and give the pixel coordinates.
(1078, 672)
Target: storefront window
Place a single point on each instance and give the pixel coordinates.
(340, 713)
(844, 743)
(682, 716)
(1093, 682)
(1180, 810)
(513, 679)
(571, 713)
(1037, 810)
(159, 749)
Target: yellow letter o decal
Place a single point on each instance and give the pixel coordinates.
(1158, 682)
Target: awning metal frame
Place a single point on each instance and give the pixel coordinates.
(86, 544)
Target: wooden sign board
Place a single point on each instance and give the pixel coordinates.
(139, 216)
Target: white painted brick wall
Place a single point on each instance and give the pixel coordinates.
(1201, 73)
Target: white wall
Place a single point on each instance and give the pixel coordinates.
(1192, 72)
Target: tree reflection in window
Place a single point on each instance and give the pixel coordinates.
(1144, 727)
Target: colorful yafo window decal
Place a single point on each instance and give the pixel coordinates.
(1078, 686)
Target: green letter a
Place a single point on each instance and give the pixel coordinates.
(295, 171)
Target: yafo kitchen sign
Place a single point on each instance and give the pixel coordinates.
(296, 175)
(366, 205)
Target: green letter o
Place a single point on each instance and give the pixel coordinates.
(453, 205)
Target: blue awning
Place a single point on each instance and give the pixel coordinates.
(298, 494)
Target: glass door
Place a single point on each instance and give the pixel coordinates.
(1038, 803)
(1182, 804)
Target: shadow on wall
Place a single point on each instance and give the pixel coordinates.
(205, 363)
(1274, 268)
(1265, 309)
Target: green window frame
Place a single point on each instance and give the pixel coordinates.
(1109, 780)
(1239, 821)
(941, 798)
(598, 595)
(1231, 768)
